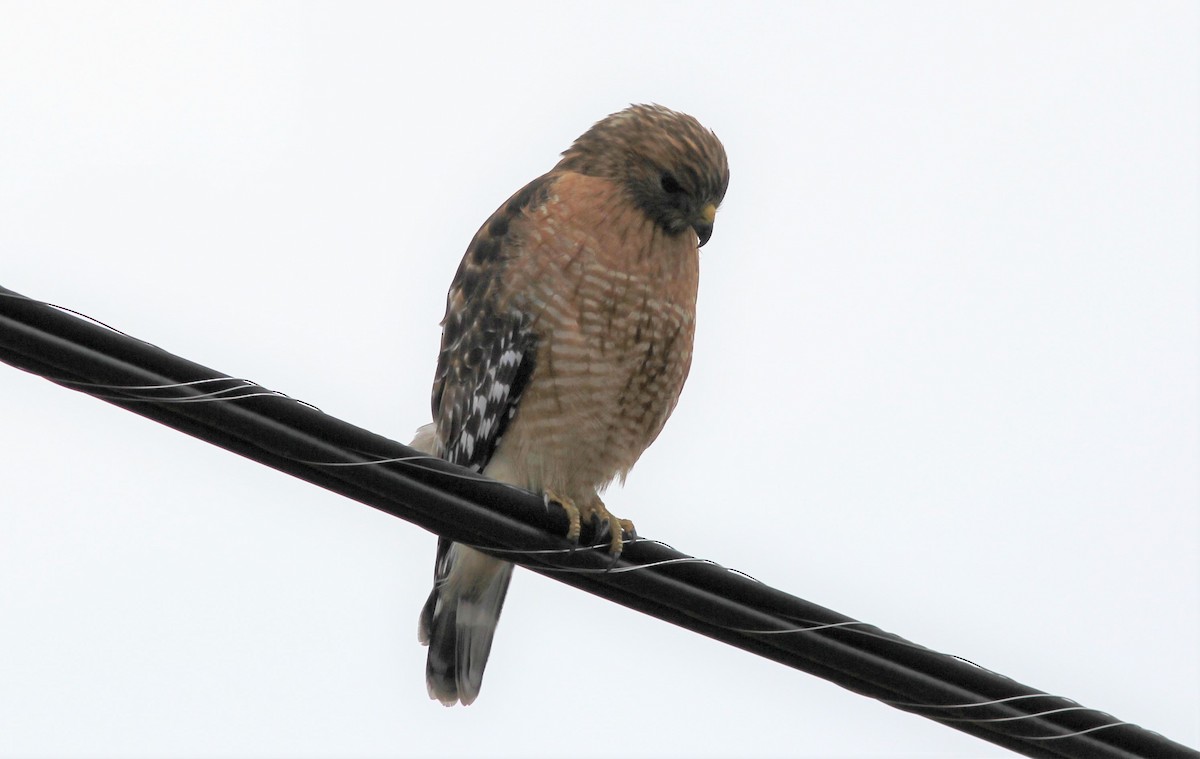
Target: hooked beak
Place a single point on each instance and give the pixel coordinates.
(704, 225)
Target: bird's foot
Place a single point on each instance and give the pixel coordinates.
(595, 513)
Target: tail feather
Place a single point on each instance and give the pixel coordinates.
(458, 621)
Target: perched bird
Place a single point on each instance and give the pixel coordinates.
(566, 342)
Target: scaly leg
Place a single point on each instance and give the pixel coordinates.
(594, 512)
(568, 506)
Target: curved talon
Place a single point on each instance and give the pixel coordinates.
(574, 518)
(618, 530)
(615, 527)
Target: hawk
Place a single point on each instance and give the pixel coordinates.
(565, 345)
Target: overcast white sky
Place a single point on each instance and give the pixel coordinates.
(945, 380)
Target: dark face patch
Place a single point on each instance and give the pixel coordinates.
(672, 167)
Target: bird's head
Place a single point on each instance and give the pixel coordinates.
(672, 167)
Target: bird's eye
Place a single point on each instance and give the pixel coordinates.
(670, 184)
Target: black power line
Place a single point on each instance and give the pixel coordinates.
(293, 437)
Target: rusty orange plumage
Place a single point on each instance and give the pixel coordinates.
(566, 342)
